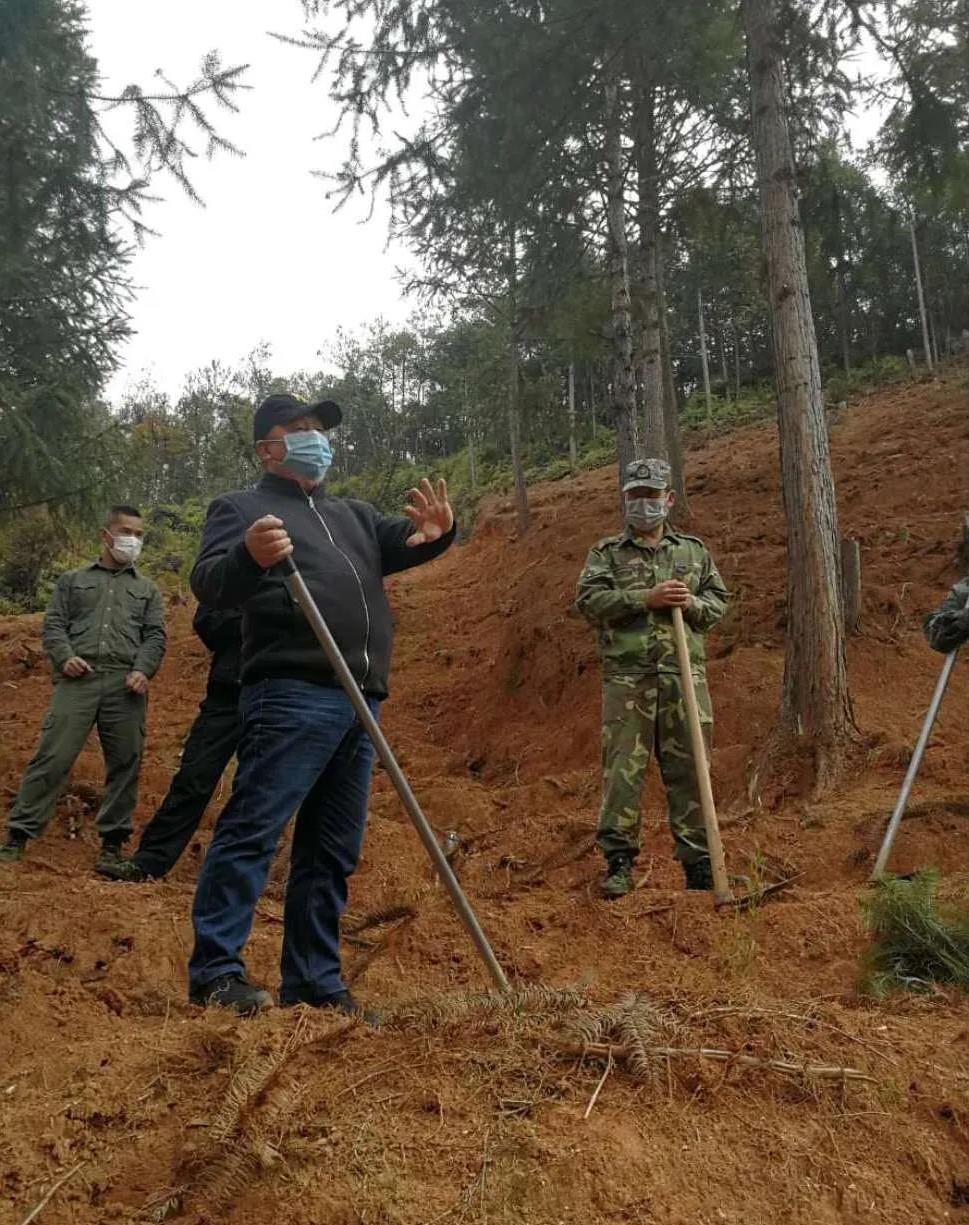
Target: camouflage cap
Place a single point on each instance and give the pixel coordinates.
(647, 474)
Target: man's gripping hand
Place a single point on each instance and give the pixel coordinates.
(268, 542)
(671, 594)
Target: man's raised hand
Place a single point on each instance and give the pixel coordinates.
(268, 542)
(430, 512)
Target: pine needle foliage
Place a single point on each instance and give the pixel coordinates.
(916, 940)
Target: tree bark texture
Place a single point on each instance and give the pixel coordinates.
(923, 316)
(671, 408)
(736, 357)
(514, 404)
(655, 441)
(815, 705)
(623, 374)
(851, 583)
(573, 449)
(704, 361)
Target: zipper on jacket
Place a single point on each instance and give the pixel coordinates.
(363, 597)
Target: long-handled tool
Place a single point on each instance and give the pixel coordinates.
(300, 592)
(913, 766)
(722, 895)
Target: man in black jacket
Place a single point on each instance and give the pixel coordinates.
(302, 749)
(211, 742)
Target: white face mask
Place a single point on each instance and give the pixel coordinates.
(646, 512)
(125, 549)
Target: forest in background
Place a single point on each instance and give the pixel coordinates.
(582, 198)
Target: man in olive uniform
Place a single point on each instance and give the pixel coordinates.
(947, 628)
(627, 589)
(105, 637)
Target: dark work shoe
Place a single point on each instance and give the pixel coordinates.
(699, 875)
(114, 866)
(109, 859)
(231, 991)
(342, 1001)
(12, 850)
(619, 877)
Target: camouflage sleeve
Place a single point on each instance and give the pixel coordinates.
(710, 602)
(598, 599)
(152, 649)
(54, 634)
(948, 626)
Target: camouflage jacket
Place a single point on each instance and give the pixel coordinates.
(948, 626)
(611, 592)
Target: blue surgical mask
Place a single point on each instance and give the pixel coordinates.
(307, 453)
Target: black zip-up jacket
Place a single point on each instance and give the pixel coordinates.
(221, 631)
(343, 549)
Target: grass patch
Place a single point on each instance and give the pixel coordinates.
(917, 940)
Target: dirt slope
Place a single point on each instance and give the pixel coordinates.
(466, 1114)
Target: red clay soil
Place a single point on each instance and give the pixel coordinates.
(461, 1113)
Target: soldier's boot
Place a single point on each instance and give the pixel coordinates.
(116, 867)
(699, 874)
(110, 860)
(619, 876)
(12, 849)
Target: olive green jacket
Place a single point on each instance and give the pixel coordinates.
(611, 594)
(113, 619)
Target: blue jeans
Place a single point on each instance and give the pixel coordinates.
(302, 750)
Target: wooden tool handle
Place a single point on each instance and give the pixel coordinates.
(721, 886)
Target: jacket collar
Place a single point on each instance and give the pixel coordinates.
(629, 537)
(98, 565)
(271, 483)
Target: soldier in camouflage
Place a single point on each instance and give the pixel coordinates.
(629, 584)
(948, 626)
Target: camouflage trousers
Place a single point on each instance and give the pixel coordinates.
(642, 716)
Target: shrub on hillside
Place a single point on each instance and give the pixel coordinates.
(916, 941)
(29, 548)
(172, 535)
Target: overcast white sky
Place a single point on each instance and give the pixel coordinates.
(266, 258)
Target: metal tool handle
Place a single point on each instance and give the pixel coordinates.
(722, 895)
(913, 766)
(301, 594)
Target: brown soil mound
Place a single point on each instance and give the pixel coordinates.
(459, 1110)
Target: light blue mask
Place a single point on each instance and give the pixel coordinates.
(307, 453)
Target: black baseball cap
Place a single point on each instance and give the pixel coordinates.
(278, 409)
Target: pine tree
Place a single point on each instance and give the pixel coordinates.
(815, 706)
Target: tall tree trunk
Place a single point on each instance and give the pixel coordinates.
(514, 403)
(573, 449)
(623, 374)
(918, 284)
(815, 705)
(593, 425)
(934, 337)
(469, 430)
(703, 356)
(655, 442)
(845, 319)
(736, 357)
(671, 408)
(723, 365)
(841, 288)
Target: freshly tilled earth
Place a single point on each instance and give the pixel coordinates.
(460, 1111)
